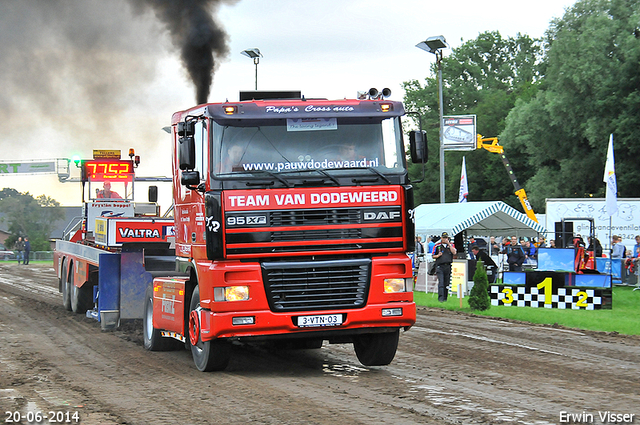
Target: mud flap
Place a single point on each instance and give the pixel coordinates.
(134, 281)
(109, 291)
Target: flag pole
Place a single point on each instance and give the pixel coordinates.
(611, 196)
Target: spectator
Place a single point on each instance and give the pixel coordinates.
(515, 255)
(636, 247)
(594, 246)
(443, 253)
(20, 249)
(492, 268)
(472, 242)
(419, 246)
(495, 248)
(418, 253)
(541, 242)
(27, 250)
(618, 249)
(530, 251)
(432, 243)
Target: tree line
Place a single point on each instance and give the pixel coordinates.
(552, 102)
(29, 216)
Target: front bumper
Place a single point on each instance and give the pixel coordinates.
(266, 323)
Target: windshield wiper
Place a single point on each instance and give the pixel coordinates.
(373, 170)
(270, 174)
(324, 173)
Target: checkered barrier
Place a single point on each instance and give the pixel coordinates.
(562, 298)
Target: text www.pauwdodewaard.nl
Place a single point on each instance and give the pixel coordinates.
(309, 165)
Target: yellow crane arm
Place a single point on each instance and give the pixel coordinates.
(491, 144)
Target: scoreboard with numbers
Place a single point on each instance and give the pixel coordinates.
(553, 290)
(107, 170)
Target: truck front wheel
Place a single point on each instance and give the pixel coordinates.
(207, 355)
(377, 349)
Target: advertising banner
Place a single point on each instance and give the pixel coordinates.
(625, 222)
(459, 276)
(459, 133)
(27, 167)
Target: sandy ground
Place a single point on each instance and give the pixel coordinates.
(450, 369)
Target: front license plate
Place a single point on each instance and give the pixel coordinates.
(320, 320)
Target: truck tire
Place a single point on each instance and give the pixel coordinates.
(377, 349)
(81, 298)
(207, 355)
(66, 293)
(152, 337)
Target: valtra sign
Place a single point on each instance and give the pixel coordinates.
(116, 231)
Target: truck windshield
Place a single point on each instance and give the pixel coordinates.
(296, 145)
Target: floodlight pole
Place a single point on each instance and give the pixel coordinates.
(435, 45)
(438, 54)
(255, 55)
(256, 60)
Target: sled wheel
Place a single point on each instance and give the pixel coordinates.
(81, 298)
(66, 277)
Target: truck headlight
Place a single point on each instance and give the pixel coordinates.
(231, 293)
(395, 285)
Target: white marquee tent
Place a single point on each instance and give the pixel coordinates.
(493, 218)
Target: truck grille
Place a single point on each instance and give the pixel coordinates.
(316, 285)
(315, 217)
(270, 233)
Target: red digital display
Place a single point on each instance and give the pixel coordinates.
(112, 170)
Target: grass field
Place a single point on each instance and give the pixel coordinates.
(623, 318)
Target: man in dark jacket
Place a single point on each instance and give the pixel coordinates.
(492, 268)
(443, 253)
(595, 246)
(515, 255)
(27, 250)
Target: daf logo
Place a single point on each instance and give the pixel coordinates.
(382, 215)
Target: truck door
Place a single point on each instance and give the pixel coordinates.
(189, 209)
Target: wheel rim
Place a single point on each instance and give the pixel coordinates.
(194, 328)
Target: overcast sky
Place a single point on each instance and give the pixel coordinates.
(324, 48)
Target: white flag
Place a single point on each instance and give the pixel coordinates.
(464, 188)
(610, 180)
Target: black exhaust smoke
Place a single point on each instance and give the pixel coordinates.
(195, 33)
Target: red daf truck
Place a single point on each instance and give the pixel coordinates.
(292, 220)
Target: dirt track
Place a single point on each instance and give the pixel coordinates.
(450, 369)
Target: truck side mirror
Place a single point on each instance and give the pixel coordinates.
(418, 146)
(190, 178)
(187, 153)
(186, 128)
(153, 194)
